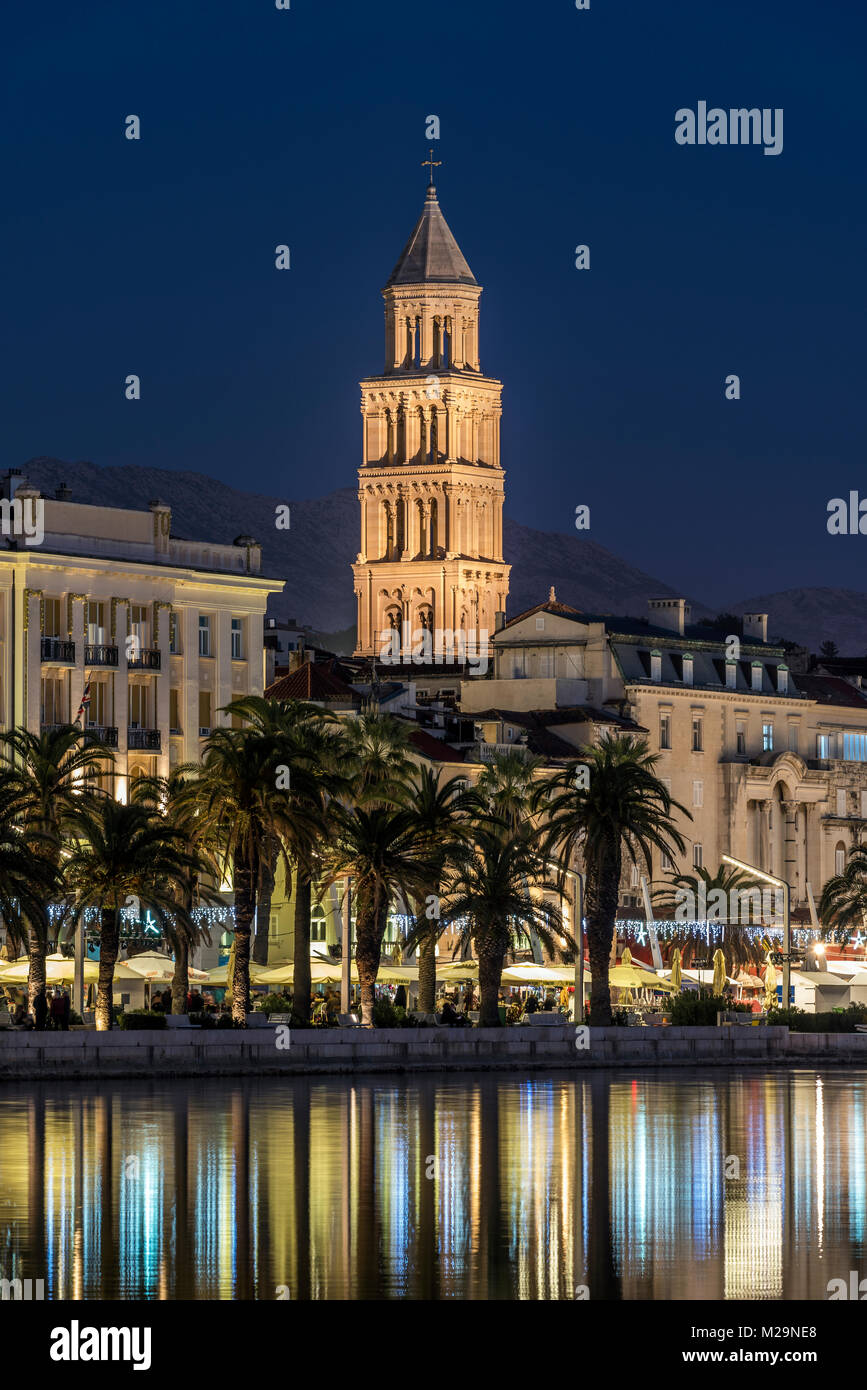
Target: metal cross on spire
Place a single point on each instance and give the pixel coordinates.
(433, 163)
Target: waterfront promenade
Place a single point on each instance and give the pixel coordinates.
(277, 1051)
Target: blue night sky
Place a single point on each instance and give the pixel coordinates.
(307, 127)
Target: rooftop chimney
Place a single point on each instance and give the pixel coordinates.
(63, 493)
(756, 626)
(673, 613)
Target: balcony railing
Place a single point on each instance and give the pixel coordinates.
(53, 649)
(145, 659)
(144, 739)
(101, 733)
(97, 654)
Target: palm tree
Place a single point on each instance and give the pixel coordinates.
(489, 893)
(843, 904)
(379, 761)
(50, 774)
(624, 807)
(440, 814)
(27, 880)
(509, 791)
(737, 947)
(169, 797)
(309, 752)
(382, 849)
(121, 851)
(247, 802)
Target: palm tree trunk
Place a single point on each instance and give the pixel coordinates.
(263, 907)
(603, 885)
(370, 929)
(490, 979)
(244, 880)
(109, 941)
(36, 973)
(427, 972)
(181, 977)
(301, 951)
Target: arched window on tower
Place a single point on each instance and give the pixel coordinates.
(400, 542)
(433, 529)
(389, 531)
(447, 343)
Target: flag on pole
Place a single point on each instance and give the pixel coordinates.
(85, 703)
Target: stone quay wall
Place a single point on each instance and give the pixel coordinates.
(81, 1055)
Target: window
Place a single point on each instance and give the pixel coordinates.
(317, 924)
(698, 793)
(96, 624)
(51, 618)
(731, 675)
(864, 805)
(540, 624)
(138, 707)
(767, 738)
(793, 738)
(665, 862)
(687, 669)
(855, 748)
(822, 742)
(696, 734)
(174, 711)
(741, 735)
(54, 702)
(665, 731)
(204, 713)
(96, 713)
(237, 639)
(758, 673)
(840, 859)
(782, 679)
(510, 733)
(138, 627)
(204, 635)
(697, 857)
(633, 875)
(656, 666)
(174, 634)
(841, 803)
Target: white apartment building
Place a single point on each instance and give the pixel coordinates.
(164, 630)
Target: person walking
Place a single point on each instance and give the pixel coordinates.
(65, 1010)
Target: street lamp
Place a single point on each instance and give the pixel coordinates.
(787, 933)
(578, 914)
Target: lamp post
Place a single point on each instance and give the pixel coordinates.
(787, 931)
(578, 914)
(346, 947)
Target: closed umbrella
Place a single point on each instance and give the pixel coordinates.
(676, 976)
(626, 958)
(770, 986)
(719, 972)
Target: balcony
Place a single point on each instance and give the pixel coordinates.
(61, 653)
(101, 733)
(145, 659)
(147, 740)
(97, 654)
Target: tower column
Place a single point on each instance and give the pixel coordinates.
(362, 498)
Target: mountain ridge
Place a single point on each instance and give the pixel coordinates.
(315, 553)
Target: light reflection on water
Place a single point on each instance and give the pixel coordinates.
(637, 1185)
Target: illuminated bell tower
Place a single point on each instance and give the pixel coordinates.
(430, 485)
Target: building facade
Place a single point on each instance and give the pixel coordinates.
(430, 485)
(771, 765)
(160, 632)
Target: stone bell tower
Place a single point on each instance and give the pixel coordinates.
(430, 485)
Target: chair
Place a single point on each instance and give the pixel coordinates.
(348, 1021)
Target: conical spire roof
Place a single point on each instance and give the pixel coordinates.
(431, 253)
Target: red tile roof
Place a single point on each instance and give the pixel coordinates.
(316, 681)
(434, 748)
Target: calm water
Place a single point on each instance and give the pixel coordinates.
(463, 1187)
